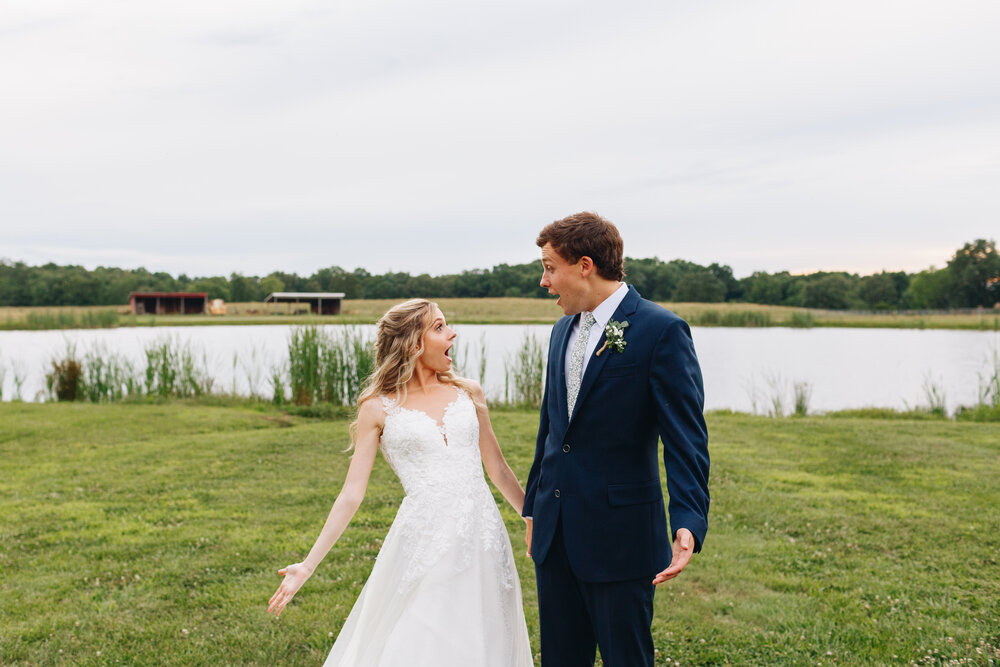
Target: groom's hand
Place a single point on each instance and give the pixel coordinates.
(527, 535)
(683, 548)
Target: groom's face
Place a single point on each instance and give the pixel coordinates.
(564, 280)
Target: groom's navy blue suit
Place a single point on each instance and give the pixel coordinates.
(600, 530)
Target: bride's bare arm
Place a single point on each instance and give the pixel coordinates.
(496, 465)
(371, 419)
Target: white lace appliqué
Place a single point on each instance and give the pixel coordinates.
(448, 510)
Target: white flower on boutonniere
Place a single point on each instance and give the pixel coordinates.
(615, 337)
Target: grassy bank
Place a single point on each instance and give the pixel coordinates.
(495, 311)
(149, 534)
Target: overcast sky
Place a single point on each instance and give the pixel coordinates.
(209, 137)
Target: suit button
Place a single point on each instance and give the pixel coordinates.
(566, 448)
(557, 493)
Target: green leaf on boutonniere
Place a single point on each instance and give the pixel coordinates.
(615, 337)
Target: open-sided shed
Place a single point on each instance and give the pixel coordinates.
(167, 303)
(320, 303)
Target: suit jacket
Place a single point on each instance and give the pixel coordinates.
(597, 470)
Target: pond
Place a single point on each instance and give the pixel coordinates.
(744, 369)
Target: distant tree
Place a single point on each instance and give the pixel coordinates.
(828, 291)
(971, 278)
(762, 287)
(734, 290)
(356, 284)
(653, 278)
(929, 290)
(421, 286)
(216, 286)
(270, 284)
(240, 289)
(519, 279)
(293, 282)
(164, 282)
(975, 273)
(879, 291)
(14, 278)
(700, 286)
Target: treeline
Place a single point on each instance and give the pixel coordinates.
(970, 279)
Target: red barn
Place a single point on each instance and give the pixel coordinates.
(167, 303)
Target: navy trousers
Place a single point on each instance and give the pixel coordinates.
(578, 616)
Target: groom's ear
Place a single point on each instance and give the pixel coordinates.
(586, 266)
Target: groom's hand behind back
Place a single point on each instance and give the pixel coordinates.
(527, 535)
(683, 549)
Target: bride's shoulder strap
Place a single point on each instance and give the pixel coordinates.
(388, 404)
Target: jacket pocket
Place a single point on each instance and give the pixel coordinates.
(634, 494)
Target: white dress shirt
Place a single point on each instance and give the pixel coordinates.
(602, 315)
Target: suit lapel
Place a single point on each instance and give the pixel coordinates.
(626, 308)
(560, 341)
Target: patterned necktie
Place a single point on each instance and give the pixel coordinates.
(574, 374)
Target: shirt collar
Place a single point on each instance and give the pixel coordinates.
(603, 313)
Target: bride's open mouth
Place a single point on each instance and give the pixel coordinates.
(447, 354)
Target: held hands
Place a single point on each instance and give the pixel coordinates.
(683, 549)
(294, 577)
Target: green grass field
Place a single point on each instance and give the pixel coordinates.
(493, 311)
(146, 534)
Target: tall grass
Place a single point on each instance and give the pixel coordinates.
(18, 375)
(172, 370)
(935, 396)
(802, 394)
(66, 377)
(776, 397)
(327, 367)
(459, 357)
(801, 320)
(524, 372)
(62, 319)
(773, 400)
(482, 359)
(252, 369)
(730, 318)
(277, 378)
(987, 408)
(109, 377)
(989, 381)
(462, 359)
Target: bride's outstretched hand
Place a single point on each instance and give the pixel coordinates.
(294, 577)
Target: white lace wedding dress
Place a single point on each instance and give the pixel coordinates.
(443, 591)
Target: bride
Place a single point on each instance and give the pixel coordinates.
(444, 589)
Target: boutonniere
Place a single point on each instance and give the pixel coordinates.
(615, 332)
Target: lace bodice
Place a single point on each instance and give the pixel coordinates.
(432, 458)
(448, 504)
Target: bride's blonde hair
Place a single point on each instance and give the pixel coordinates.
(399, 337)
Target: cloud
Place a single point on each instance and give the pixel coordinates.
(441, 136)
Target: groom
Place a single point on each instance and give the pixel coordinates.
(622, 372)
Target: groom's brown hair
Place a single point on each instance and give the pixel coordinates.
(587, 234)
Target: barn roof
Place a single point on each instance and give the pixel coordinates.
(273, 296)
